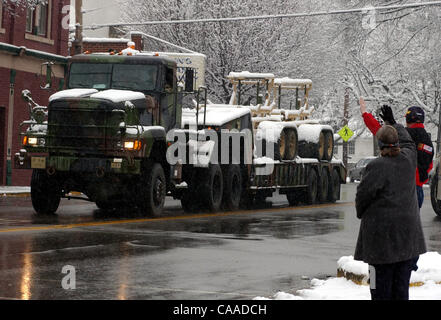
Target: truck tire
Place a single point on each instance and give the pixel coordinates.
(45, 193)
(232, 188)
(153, 190)
(312, 189)
(436, 204)
(323, 189)
(334, 187)
(211, 188)
(292, 144)
(329, 145)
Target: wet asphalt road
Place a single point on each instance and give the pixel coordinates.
(239, 255)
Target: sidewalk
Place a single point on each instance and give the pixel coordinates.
(6, 191)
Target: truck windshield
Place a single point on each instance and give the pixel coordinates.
(102, 76)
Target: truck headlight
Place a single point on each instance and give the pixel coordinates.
(133, 145)
(33, 142)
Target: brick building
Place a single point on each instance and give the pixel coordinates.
(29, 37)
(116, 44)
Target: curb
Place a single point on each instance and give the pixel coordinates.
(363, 280)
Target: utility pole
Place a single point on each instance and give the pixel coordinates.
(345, 123)
(78, 43)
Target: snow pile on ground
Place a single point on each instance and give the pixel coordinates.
(426, 283)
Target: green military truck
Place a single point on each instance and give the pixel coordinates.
(105, 136)
(113, 135)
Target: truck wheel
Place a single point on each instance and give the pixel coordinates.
(292, 144)
(45, 193)
(334, 187)
(329, 145)
(312, 189)
(436, 204)
(323, 186)
(212, 186)
(153, 190)
(232, 187)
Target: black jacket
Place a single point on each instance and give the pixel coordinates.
(425, 152)
(386, 203)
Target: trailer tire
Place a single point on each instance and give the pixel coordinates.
(323, 189)
(153, 190)
(334, 187)
(232, 188)
(436, 204)
(212, 188)
(45, 193)
(312, 189)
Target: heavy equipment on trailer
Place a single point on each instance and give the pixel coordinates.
(119, 134)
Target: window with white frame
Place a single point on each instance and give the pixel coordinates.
(37, 18)
(351, 147)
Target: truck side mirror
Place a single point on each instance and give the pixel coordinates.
(189, 80)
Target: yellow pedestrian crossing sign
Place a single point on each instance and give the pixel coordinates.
(346, 133)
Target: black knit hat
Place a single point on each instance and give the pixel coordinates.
(415, 115)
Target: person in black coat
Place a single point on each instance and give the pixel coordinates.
(391, 237)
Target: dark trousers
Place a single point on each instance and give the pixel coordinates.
(392, 280)
(420, 194)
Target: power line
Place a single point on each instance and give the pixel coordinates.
(264, 17)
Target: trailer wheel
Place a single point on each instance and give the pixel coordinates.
(323, 186)
(334, 187)
(329, 145)
(312, 189)
(232, 187)
(292, 144)
(436, 204)
(153, 190)
(45, 193)
(212, 188)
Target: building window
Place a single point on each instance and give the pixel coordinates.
(351, 148)
(37, 19)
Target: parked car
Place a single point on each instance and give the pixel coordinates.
(357, 172)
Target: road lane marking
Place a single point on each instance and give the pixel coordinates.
(175, 218)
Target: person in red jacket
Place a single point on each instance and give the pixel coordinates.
(415, 126)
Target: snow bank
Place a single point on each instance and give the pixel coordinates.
(427, 283)
(429, 268)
